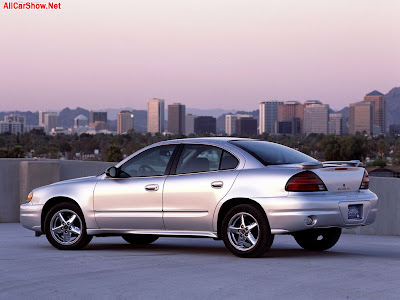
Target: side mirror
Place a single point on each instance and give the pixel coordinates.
(112, 172)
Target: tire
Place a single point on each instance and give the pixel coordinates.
(140, 239)
(251, 240)
(63, 233)
(318, 239)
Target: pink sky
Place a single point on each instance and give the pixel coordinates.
(204, 53)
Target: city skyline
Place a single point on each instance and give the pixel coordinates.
(204, 53)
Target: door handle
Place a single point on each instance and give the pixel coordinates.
(217, 184)
(151, 187)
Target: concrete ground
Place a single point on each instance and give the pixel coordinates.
(359, 266)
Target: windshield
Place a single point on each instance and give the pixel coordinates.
(272, 154)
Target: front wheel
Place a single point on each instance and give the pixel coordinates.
(246, 232)
(318, 239)
(65, 227)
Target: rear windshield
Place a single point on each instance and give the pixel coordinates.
(272, 154)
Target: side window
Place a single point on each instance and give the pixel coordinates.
(228, 161)
(152, 162)
(204, 158)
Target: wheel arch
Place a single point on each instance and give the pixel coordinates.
(227, 205)
(51, 203)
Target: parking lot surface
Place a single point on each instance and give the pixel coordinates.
(359, 266)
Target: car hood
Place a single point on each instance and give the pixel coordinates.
(76, 180)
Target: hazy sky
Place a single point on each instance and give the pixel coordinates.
(204, 53)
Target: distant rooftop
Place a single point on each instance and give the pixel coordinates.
(375, 93)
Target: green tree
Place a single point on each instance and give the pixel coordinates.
(114, 153)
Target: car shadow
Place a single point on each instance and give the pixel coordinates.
(170, 248)
(282, 251)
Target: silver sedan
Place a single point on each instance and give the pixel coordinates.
(242, 191)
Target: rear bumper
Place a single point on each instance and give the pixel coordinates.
(289, 214)
(30, 216)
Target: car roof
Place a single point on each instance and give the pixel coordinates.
(203, 140)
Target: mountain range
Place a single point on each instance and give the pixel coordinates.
(67, 115)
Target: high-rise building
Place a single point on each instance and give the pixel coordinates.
(155, 115)
(15, 118)
(230, 123)
(176, 118)
(360, 118)
(378, 102)
(246, 126)
(335, 124)
(290, 111)
(124, 121)
(51, 121)
(11, 127)
(316, 116)
(80, 121)
(42, 115)
(189, 124)
(205, 125)
(268, 116)
(13, 123)
(97, 116)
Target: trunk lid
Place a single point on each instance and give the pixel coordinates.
(340, 179)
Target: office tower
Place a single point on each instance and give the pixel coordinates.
(176, 118)
(124, 121)
(42, 115)
(378, 102)
(246, 126)
(335, 124)
(290, 111)
(11, 126)
(51, 121)
(155, 115)
(15, 118)
(14, 123)
(268, 116)
(316, 116)
(95, 116)
(288, 127)
(80, 121)
(230, 123)
(360, 118)
(189, 124)
(205, 125)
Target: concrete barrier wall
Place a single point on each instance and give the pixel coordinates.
(20, 176)
(388, 218)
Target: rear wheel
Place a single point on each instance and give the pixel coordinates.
(65, 227)
(318, 239)
(140, 239)
(246, 232)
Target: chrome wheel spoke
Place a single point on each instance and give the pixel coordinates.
(75, 230)
(72, 219)
(58, 229)
(242, 221)
(61, 217)
(251, 238)
(241, 240)
(252, 225)
(234, 230)
(67, 236)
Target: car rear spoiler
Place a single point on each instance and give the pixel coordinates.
(318, 164)
(349, 163)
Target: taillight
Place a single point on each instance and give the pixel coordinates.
(305, 182)
(365, 181)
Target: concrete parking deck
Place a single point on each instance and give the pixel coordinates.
(359, 266)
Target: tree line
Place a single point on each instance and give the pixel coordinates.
(107, 147)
